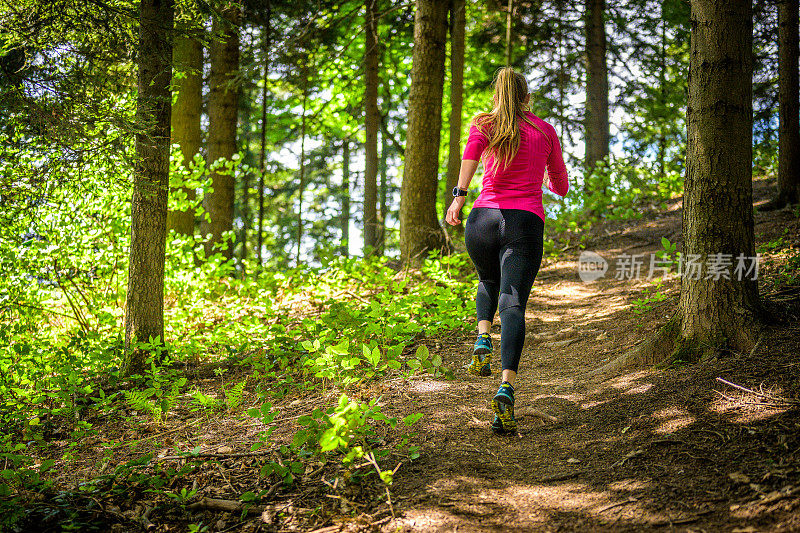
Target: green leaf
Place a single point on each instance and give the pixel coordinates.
(412, 419)
(422, 352)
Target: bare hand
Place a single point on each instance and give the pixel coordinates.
(454, 210)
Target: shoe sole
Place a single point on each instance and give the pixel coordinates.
(508, 424)
(484, 369)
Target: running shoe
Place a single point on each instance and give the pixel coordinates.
(503, 407)
(481, 356)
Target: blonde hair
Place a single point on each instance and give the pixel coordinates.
(500, 125)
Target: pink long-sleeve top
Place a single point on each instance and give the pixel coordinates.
(519, 186)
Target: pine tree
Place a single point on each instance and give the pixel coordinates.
(144, 305)
(718, 198)
(372, 120)
(419, 224)
(596, 123)
(789, 107)
(457, 30)
(719, 308)
(187, 58)
(223, 108)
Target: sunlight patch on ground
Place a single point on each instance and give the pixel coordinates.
(672, 419)
(589, 405)
(628, 484)
(639, 389)
(430, 386)
(746, 407)
(528, 507)
(629, 381)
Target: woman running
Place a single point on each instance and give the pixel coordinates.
(504, 230)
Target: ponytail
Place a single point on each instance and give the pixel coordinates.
(501, 126)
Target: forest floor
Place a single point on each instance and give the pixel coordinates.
(670, 449)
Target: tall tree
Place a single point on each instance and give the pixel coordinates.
(383, 169)
(788, 107)
(144, 305)
(719, 309)
(372, 122)
(344, 221)
(718, 195)
(419, 224)
(187, 59)
(223, 107)
(267, 34)
(509, 20)
(302, 179)
(457, 30)
(596, 121)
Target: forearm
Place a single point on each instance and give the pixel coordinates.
(468, 168)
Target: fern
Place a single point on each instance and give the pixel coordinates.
(233, 396)
(139, 400)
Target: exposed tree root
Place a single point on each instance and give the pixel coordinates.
(652, 351)
(668, 345)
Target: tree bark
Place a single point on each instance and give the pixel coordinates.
(382, 212)
(419, 224)
(372, 122)
(508, 31)
(223, 106)
(187, 58)
(263, 152)
(596, 122)
(144, 305)
(788, 107)
(714, 316)
(302, 185)
(718, 196)
(344, 221)
(562, 68)
(457, 26)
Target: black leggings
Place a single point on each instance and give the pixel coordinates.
(506, 247)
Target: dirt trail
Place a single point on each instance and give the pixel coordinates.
(645, 450)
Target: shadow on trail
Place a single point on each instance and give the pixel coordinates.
(671, 448)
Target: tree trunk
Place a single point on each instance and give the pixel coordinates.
(144, 305)
(302, 185)
(187, 58)
(718, 195)
(419, 224)
(508, 32)
(383, 170)
(457, 23)
(562, 68)
(789, 107)
(344, 221)
(263, 152)
(246, 220)
(596, 124)
(372, 121)
(223, 105)
(714, 316)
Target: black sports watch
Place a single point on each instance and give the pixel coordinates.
(459, 192)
